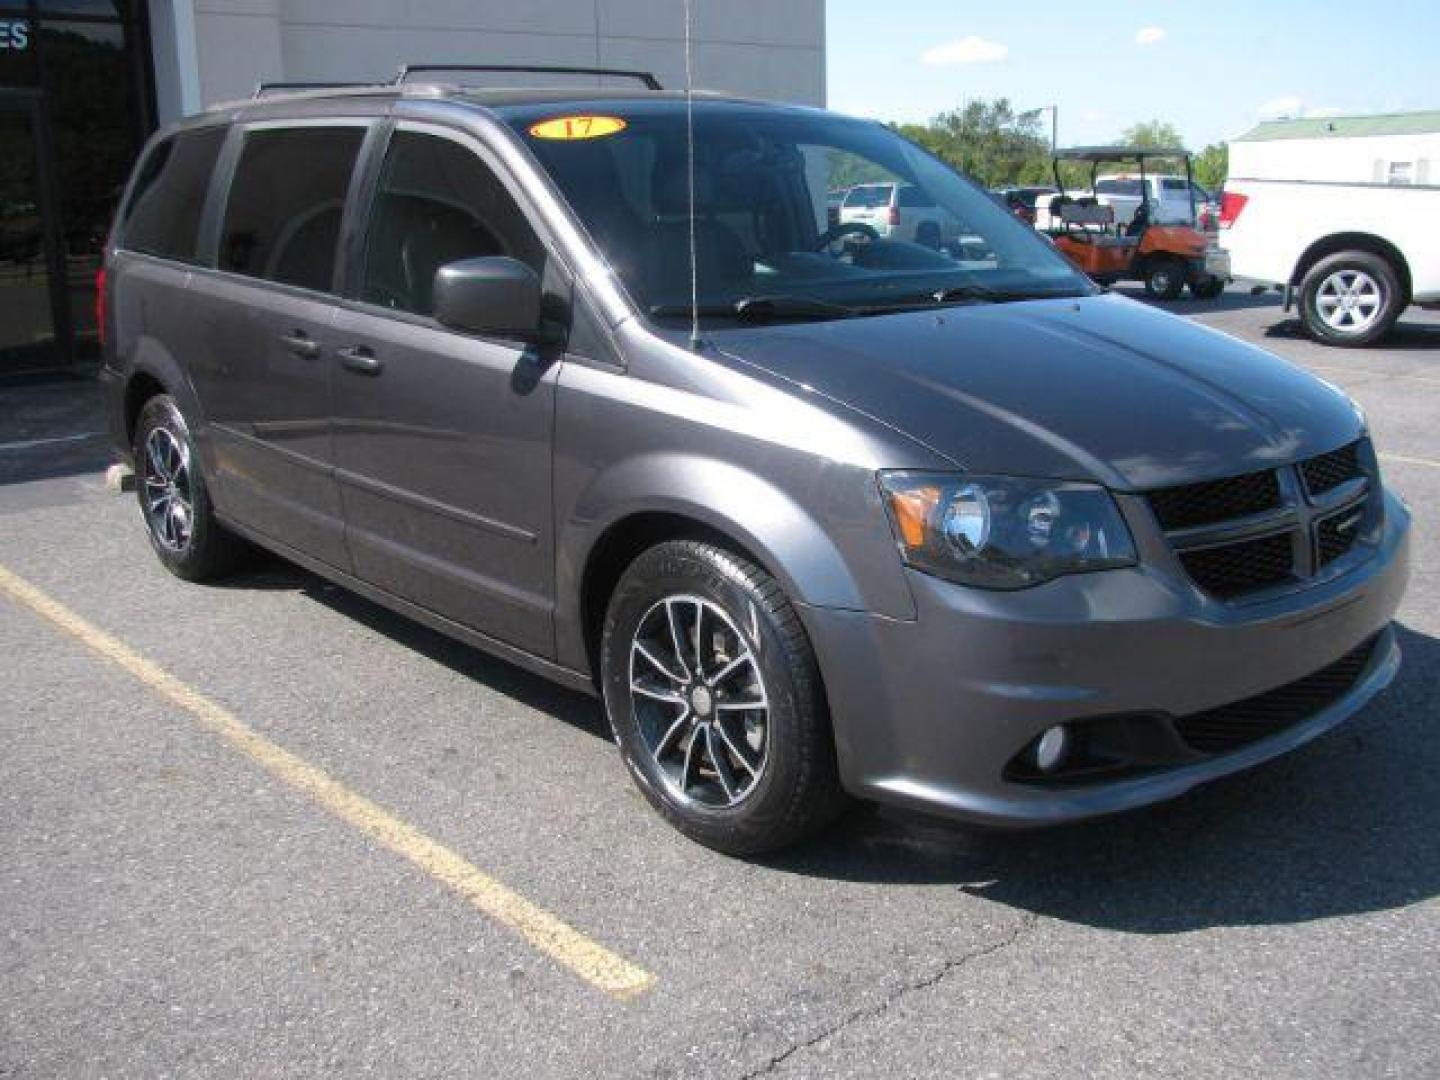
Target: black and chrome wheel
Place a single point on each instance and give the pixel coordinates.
(174, 499)
(715, 699)
(1165, 278)
(1352, 298)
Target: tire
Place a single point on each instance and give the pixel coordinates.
(1165, 278)
(1209, 289)
(174, 501)
(1350, 299)
(928, 235)
(738, 780)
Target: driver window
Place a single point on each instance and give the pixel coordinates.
(437, 202)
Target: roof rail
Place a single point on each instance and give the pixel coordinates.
(261, 89)
(644, 77)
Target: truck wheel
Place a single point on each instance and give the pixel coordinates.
(1208, 289)
(1165, 278)
(174, 500)
(716, 702)
(928, 235)
(1350, 299)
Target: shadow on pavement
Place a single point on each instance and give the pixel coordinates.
(51, 426)
(1233, 299)
(1342, 826)
(1405, 337)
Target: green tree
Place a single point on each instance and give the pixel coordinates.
(1151, 134)
(987, 139)
(1212, 165)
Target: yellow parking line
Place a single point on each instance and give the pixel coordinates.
(1410, 460)
(564, 944)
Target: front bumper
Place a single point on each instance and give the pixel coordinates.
(928, 713)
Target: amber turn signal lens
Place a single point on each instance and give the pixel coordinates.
(913, 508)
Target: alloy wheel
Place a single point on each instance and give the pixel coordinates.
(168, 495)
(1349, 301)
(699, 701)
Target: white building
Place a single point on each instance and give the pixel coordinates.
(1395, 148)
(211, 50)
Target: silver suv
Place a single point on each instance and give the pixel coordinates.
(814, 518)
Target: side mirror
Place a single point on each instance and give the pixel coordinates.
(494, 295)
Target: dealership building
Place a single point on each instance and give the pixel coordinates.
(84, 82)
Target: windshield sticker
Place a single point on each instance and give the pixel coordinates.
(577, 127)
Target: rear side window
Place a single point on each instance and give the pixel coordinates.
(912, 196)
(169, 199)
(869, 196)
(1117, 187)
(282, 221)
(438, 203)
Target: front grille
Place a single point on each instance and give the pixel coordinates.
(1336, 534)
(1207, 522)
(1210, 501)
(1329, 471)
(1229, 570)
(1230, 727)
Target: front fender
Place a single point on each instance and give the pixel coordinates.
(835, 553)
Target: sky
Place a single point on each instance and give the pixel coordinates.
(1213, 69)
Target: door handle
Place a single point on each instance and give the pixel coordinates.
(361, 360)
(301, 344)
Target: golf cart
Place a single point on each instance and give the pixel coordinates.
(1165, 255)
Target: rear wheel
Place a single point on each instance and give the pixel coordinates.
(715, 699)
(1350, 299)
(1165, 278)
(174, 499)
(1208, 289)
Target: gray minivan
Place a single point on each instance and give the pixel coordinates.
(817, 512)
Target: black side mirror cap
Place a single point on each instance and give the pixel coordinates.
(494, 295)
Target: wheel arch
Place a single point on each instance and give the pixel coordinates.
(683, 497)
(1336, 243)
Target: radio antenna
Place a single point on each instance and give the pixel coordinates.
(695, 342)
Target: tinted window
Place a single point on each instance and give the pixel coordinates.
(869, 196)
(437, 202)
(1117, 187)
(1173, 183)
(282, 222)
(913, 196)
(164, 215)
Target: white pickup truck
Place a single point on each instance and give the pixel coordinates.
(1351, 255)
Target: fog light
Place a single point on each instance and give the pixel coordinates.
(1050, 750)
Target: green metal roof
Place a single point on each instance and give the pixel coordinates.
(1341, 127)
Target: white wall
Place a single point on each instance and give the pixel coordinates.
(1356, 159)
(772, 49)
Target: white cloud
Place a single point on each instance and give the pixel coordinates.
(1149, 35)
(966, 50)
(1292, 106)
(1281, 106)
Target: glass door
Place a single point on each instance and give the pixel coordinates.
(32, 315)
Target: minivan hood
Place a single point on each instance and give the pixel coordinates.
(1099, 388)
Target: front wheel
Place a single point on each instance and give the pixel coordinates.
(1350, 299)
(715, 699)
(1165, 278)
(174, 499)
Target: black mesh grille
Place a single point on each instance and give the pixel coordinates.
(1336, 534)
(1331, 470)
(1215, 500)
(1231, 569)
(1232, 726)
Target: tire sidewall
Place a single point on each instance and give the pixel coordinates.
(709, 573)
(1383, 275)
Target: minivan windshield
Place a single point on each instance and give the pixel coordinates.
(768, 242)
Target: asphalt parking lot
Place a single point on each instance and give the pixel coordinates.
(267, 828)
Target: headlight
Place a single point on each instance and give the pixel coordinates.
(997, 532)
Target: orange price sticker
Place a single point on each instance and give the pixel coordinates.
(577, 127)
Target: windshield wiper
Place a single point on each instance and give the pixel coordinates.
(976, 291)
(761, 308)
